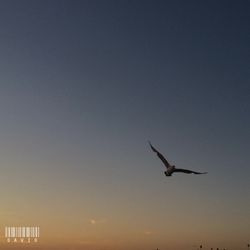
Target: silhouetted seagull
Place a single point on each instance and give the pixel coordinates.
(171, 168)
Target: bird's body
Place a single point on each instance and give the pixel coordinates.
(170, 169)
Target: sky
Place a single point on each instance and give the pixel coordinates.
(85, 84)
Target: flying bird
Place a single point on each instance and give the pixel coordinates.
(171, 168)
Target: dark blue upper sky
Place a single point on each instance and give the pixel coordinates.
(89, 82)
(129, 65)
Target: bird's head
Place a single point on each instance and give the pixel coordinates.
(167, 173)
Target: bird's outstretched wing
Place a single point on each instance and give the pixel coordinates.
(160, 156)
(186, 171)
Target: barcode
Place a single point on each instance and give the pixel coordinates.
(22, 232)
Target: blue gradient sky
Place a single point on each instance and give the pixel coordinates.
(85, 84)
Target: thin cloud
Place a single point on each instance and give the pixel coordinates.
(148, 232)
(95, 221)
